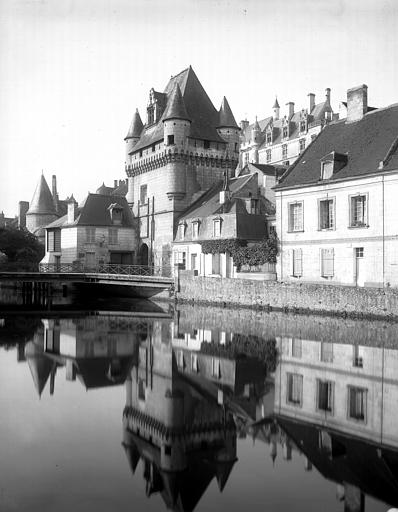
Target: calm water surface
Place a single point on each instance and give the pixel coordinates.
(140, 406)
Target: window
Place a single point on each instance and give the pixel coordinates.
(143, 194)
(170, 140)
(90, 235)
(285, 132)
(206, 144)
(181, 231)
(269, 153)
(269, 137)
(194, 261)
(327, 262)
(357, 401)
(180, 359)
(217, 227)
(195, 229)
(295, 216)
(327, 352)
(141, 389)
(151, 115)
(153, 148)
(215, 367)
(326, 214)
(284, 151)
(180, 258)
(326, 170)
(325, 392)
(302, 125)
(194, 363)
(359, 211)
(113, 236)
(297, 348)
(301, 145)
(297, 258)
(54, 240)
(359, 252)
(294, 389)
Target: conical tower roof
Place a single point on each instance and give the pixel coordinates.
(276, 104)
(42, 201)
(256, 126)
(176, 108)
(226, 117)
(136, 127)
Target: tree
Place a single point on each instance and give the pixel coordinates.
(20, 246)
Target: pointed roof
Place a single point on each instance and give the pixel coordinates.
(136, 127)
(42, 201)
(40, 366)
(256, 126)
(276, 104)
(226, 117)
(176, 108)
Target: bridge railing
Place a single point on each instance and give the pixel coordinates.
(108, 268)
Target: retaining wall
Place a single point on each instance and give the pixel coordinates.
(315, 298)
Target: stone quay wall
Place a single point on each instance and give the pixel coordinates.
(299, 298)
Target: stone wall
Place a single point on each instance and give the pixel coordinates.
(315, 298)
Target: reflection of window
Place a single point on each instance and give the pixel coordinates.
(194, 362)
(327, 262)
(296, 216)
(326, 214)
(90, 235)
(358, 211)
(294, 389)
(141, 389)
(357, 359)
(357, 398)
(327, 352)
(297, 348)
(325, 390)
(180, 257)
(215, 367)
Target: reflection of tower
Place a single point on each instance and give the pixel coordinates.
(184, 439)
(40, 366)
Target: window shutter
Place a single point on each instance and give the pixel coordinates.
(291, 263)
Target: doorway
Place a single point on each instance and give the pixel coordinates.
(359, 266)
(144, 253)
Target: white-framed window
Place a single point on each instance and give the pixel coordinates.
(195, 229)
(301, 145)
(359, 211)
(326, 208)
(326, 352)
(327, 262)
(269, 137)
(215, 367)
(215, 263)
(90, 235)
(180, 258)
(357, 403)
(284, 151)
(113, 236)
(357, 359)
(181, 231)
(325, 396)
(297, 262)
(294, 394)
(359, 252)
(295, 215)
(326, 170)
(269, 155)
(285, 132)
(216, 227)
(194, 362)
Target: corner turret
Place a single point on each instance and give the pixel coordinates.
(276, 109)
(228, 128)
(133, 134)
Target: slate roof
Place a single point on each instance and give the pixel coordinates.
(40, 366)
(136, 127)
(366, 143)
(176, 106)
(200, 109)
(226, 117)
(94, 372)
(42, 201)
(94, 212)
(267, 169)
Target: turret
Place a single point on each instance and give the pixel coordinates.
(41, 210)
(176, 129)
(276, 109)
(227, 127)
(255, 142)
(133, 134)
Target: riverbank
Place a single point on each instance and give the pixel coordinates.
(320, 299)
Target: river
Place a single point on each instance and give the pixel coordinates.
(132, 405)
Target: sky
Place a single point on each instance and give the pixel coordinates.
(72, 72)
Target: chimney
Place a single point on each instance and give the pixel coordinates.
(72, 210)
(54, 186)
(290, 106)
(2, 220)
(311, 96)
(327, 99)
(23, 207)
(357, 102)
(114, 183)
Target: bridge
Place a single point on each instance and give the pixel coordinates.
(138, 280)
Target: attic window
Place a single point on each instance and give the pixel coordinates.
(302, 125)
(195, 229)
(285, 132)
(206, 144)
(326, 170)
(181, 231)
(217, 227)
(269, 137)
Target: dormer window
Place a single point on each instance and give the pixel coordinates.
(195, 229)
(116, 213)
(269, 137)
(285, 132)
(151, 114)
(181, 231)
(217, 227)
(327, 170)
(332, 163)
(303, 126)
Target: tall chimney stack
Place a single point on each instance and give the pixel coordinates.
(72, 210)
(290, 107)
(311, 97)
(357, 102)
(327, 99)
